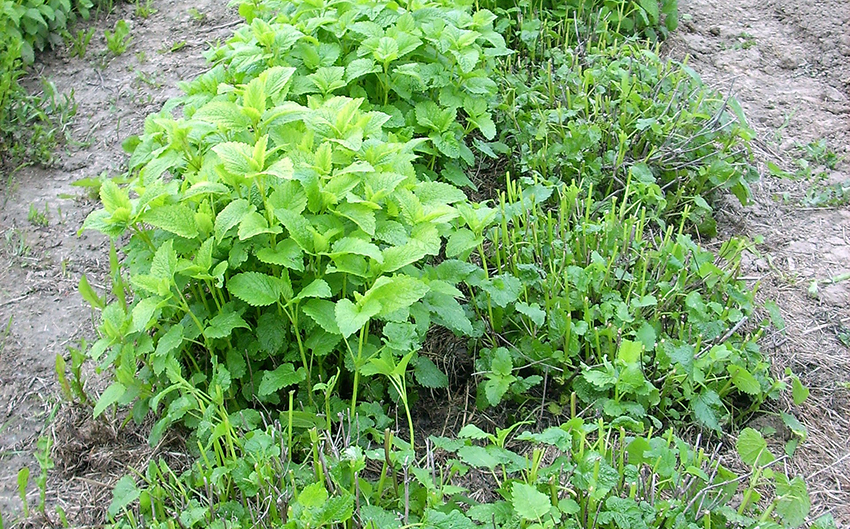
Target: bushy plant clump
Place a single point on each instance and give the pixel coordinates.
(295, 225)
(28, 123)
(281, 233)
(642, 326)
(617, 113)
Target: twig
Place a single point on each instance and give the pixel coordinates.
(14, 300)
(725, 337)
(834, 463)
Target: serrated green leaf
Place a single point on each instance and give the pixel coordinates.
(113, 197)
(477, 456)
(285, 253)
(744, 380)
(705, 407)
(298, 227)
(318, 288)
(255, 289)
(793, 502)
(528, 502)
(394, 293)
(356, 246)
(224, 114)
(496, 387)
(230, 216)
(124, 493)
(360, 214)
(533, 311)
(143, 313)
(252, 224)
(461, 242)
(110, 396)
(429, 375)
(273, 381)
(177, 219)
(350, 318)
(752, 448)
(236, 157)
(222, 325)
(164, 263)
(323, 313)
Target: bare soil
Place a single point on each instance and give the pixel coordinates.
(788, 63)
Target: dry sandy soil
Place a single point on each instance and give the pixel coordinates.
(787, 62)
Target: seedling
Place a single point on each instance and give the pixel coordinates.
(144, 8)
(80, 42)
(119, 40)
(39, 218)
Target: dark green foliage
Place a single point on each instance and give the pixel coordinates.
(29, 123)
(643, 326)
(617, 114)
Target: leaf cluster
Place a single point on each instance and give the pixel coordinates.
(642, 325)
(616, 114)
(576, 475)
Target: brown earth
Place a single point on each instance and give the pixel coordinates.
(788, 63)
(40, 266)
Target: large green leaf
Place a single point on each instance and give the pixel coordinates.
(255, 288)
(177, 219)
(528, 502)
(273, 381)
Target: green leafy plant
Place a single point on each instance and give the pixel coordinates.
(630, 320)
(37, 24)
(430, 75)
(39, 218)
(79, 42)
(617, 113)
(119, 40)
(144, 8)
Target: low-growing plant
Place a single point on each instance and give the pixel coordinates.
(631, 320)
(576, 475)
(144, 8)
(37, 24)
(79, 42)
(119, 40)
(533, 27)
(37, 217)
(618, 113)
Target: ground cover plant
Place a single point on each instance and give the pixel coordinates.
(629, 319)
(30, 125)
(614, 113)
(291, 230)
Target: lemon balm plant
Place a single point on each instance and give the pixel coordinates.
(284, 234)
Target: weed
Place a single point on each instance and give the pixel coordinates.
(147, 78)
(197, 15)
(79, 43)
(39, 218)
(144, 8)
(119, 40)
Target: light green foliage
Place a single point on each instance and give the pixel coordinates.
(431, 74)
(293, 228)
(37, 24)
(29, 124)
(641, 325)
(272, 240)
(617, 114)
(118, 40)
(534, 26)
(592, 475)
